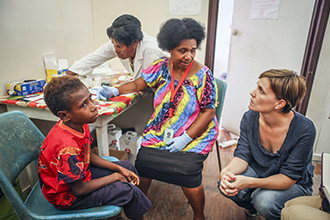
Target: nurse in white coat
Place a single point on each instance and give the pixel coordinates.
(128, 42)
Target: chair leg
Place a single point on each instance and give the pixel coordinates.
(218, 153)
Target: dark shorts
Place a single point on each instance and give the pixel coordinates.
(130, 197)
(180, 168)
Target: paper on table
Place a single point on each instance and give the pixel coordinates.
(33, 97)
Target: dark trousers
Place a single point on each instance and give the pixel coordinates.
(130, 197)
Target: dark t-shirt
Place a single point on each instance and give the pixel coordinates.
(294, 159)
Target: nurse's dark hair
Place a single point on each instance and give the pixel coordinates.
(286, 85)
(125, 29)
(173, 31)
(58, 92)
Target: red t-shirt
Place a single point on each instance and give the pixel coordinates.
(64, 158)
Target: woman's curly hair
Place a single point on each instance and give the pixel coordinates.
(125, 29)
(175, 30)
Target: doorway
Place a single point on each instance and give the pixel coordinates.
(223, 36)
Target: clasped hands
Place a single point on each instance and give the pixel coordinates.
(126, 175)
(231, 184)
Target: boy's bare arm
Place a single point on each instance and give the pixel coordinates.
(100, 162)
(80, 188)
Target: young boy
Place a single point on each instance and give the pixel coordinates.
(72, 177)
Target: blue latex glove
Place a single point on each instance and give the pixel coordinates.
(106, 92)
(178, 143)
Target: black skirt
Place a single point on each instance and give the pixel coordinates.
(180, 168)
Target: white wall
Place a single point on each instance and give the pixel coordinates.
(280, 43)
(30, 29)
(151, 13)
(70, 29)
(261, 45)
(225, 15)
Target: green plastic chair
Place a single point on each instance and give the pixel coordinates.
(222, 86)
(20, 142)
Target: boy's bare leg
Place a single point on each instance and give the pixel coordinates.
(144, 185)
(196, 198)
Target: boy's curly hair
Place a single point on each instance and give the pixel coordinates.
(58, 92)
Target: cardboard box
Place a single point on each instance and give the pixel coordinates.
(121, 155)
(25, 87)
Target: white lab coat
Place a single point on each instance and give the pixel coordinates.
(147, 52)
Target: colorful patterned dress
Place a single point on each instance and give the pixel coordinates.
(196, 93)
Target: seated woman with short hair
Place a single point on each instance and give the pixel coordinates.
(273, 159)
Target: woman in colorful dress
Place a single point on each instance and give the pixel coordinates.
(183, 127)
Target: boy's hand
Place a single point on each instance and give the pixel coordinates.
(119, 177)
(130, 176)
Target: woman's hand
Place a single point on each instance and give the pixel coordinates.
(106, 92)
(70, 73)
(130, 176)
(242, 182)
(227, 185)
(231, 184)
(178, 143)
(230, 178)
